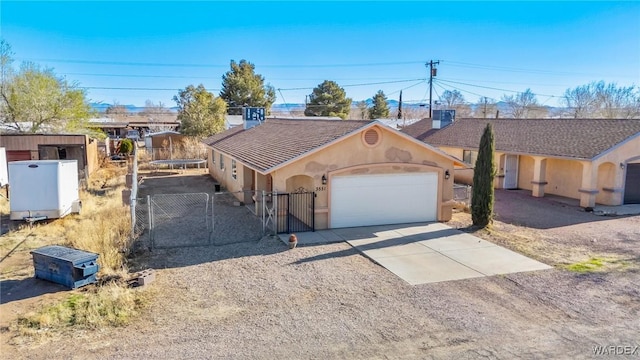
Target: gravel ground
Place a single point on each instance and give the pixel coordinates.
(259, 300)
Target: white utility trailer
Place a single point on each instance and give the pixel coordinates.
(4, 176)
(43, 189)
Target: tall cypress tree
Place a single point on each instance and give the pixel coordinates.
(483, 174)
(400, 106)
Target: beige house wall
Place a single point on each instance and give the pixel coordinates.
(563, 177)
(600, 181)
(393, 154)
(525, 172)
(224, 175)
(460, 176)
(611, 187)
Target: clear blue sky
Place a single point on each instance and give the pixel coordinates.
(112, 47)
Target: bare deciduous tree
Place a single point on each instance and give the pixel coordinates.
(485, 108)
(524, 105)
(617, 102)
(452, 98)
(581, 101)
(601, 100)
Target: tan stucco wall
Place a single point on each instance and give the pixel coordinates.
(606, 181)
(394, 154)
(564, 177)
(224, 176)
(525, 172)
(626, 153)
(460, 176)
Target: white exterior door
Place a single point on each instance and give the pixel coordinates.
(511, 172)
(362, 200)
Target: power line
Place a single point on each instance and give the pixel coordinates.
(352, 85)
(491, 88)
(217, 77)
(408, 87)
(133, 88)
(463, 90)
(120, 63)
(511, 69)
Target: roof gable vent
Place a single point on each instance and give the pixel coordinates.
(371, 137)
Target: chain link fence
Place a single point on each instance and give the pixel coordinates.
(237, 217)
(462, 193)
(180, 220)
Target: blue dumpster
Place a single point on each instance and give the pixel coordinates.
(69, 267)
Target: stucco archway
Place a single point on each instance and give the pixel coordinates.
(298, 182)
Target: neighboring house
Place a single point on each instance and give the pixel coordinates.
(53, 147)
(594, 160)
(117, 128)
(363, 172)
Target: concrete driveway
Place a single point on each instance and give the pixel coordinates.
(427, 252)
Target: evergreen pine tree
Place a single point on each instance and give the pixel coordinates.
(380, 109)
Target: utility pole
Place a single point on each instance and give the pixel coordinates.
(432, 72)
(484, 113)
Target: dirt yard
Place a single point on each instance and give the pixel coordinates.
(250, 298)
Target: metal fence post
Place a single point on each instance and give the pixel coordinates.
(264, 204)
(134, 191)
(275, 212)
(150, 221)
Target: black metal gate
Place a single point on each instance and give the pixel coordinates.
(295, 212)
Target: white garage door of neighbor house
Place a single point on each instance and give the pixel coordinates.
(362, 200)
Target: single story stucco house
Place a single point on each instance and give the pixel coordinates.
(594, 160)
(362, 172)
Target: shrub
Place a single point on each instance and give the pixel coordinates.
(126, 146)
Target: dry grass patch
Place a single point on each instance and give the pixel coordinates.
(103, 227)
(109, 305)
(597, 264)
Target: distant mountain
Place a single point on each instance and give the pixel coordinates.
(102, 107)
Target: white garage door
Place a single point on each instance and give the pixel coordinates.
(362, 200)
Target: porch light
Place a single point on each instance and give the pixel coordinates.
(622, 166)
(447, 175)
(324, 180)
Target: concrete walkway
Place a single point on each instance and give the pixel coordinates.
(428, 252)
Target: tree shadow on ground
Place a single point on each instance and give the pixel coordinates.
(188, 256)
(518, 207)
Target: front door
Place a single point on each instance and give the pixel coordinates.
(511, 172)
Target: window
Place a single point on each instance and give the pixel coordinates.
(469, 156)
(221, 162)
(213, 157)
(233, 169)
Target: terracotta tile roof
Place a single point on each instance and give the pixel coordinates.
(278, 140)
(576, 138)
